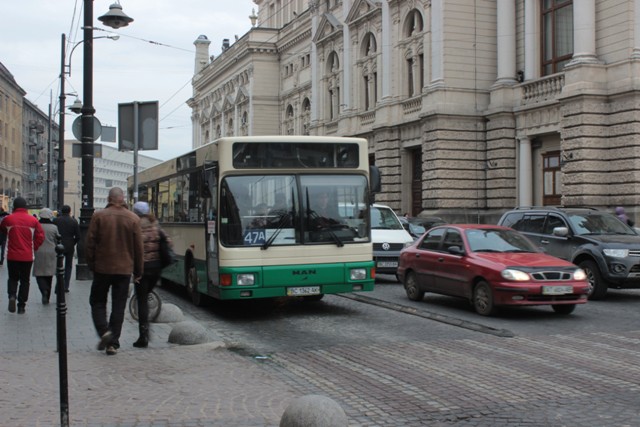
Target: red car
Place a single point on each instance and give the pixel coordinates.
(491, 266)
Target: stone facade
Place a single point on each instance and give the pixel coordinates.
(11, 131)
(463, 116)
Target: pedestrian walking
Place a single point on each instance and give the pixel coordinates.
(152, 268)
(44, 264)
(3, 237)
(24, 236)
(622, 216)
(114, 252)
(70, 233)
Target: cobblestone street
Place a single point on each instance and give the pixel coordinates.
(552, 380)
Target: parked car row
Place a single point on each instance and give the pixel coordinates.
(534, 256)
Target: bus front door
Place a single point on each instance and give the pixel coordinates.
(210, 197)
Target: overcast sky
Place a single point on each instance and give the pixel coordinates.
(152, 61)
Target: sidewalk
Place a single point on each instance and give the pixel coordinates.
(166, 384)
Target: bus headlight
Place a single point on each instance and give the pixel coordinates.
(246, 279)
(358, 274)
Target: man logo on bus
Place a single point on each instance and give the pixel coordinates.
(303, 272)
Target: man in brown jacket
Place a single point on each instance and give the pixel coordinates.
(114, 252)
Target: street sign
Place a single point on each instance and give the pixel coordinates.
(77, 128)
(76, 150)
(146, 123)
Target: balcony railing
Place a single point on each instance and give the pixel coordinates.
(367, 118)
(544, 89)
(412, 105)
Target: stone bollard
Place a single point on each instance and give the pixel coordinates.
(313, 411)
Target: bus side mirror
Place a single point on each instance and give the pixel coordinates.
(375, 179)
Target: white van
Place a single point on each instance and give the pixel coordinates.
(389, 238)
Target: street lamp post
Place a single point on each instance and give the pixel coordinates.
(61, 126)
(115, 18)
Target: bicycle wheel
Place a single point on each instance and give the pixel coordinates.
(153, 301)
(155, 305)
(133, 306)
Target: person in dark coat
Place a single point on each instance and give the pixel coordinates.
(24, 237)
(44, 264)
(70, 232)
(114, 252)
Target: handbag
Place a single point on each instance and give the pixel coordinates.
(167, 256)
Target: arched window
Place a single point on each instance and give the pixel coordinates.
(306, 116)
(333, 86)
(289, 121)
(369, 89)
(230, 128)
(413, 30)
(413, 23)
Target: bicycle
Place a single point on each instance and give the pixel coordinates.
(154, 302)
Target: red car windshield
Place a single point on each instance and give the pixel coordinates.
(498, 240)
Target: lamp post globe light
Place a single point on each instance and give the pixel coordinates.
(115, 18)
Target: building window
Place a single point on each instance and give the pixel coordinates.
(552, 183)
(557, 35)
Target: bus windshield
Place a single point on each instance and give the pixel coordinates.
(271, 210)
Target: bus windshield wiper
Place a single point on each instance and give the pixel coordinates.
(313, 214)
(283, 221)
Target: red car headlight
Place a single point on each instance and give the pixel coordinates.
(515, 275)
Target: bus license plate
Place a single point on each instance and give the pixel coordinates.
(387, 264)
(557, 290)
(307, 290)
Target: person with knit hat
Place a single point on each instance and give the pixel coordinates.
(44, 264)
(24, 237)
(151, 233)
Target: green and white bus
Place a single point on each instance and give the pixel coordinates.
(265, 217)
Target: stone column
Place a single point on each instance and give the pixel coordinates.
(636, 30)
(525, 173)
(315, 92)
(437, 41)
(385, 65)
(346, 58)
(584, 32)
(506, 42)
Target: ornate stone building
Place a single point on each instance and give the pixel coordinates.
(470, 107)
(11, 124)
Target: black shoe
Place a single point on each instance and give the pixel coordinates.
(66, 291)
(105, 340)
(112, 351)
(142, 342)
(20, 310)
(45, 298)
(12, 305)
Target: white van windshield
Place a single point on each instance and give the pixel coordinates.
(384, 219)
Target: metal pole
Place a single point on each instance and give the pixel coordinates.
(49, 157)
(86, 211)
(136, 112)
(61, 125)
(61, 307)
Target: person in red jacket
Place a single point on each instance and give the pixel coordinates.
(24, 236)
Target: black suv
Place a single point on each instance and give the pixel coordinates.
(603, 246)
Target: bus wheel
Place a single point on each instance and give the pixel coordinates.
(192, 285)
